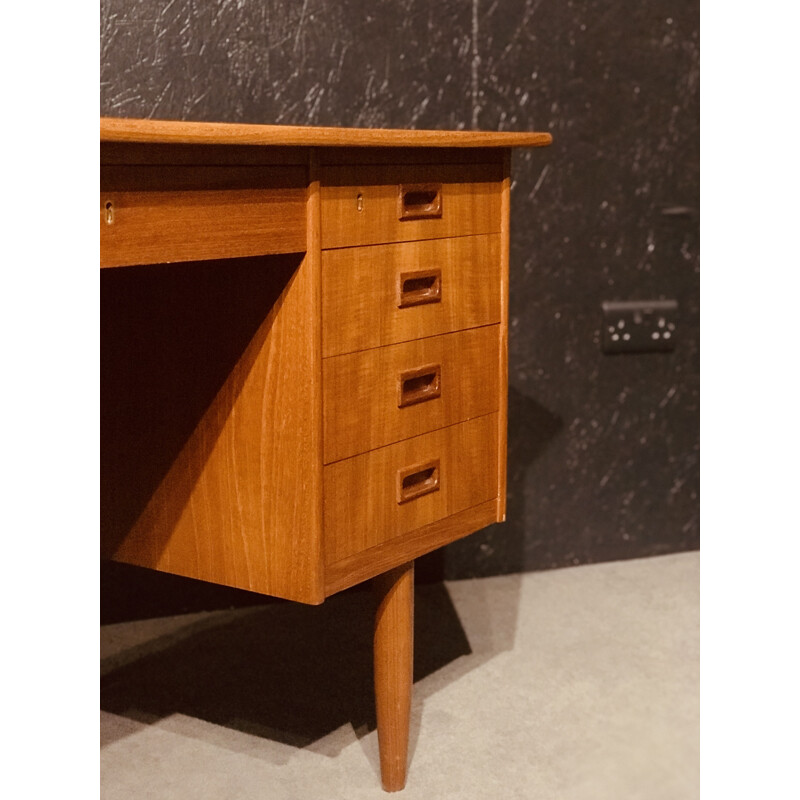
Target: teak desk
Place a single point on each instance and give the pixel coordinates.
(304, 360)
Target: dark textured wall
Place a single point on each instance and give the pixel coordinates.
(603, 450)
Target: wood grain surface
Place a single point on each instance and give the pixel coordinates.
(360, 291)
(152, 214)
(470, 203)
(216, 436)
(361, 395)
(393, 656)
(502, 355)
(360, 500)
(367, 564)
(114, 129)
(312, 372)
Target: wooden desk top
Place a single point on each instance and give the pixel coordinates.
(174, 132)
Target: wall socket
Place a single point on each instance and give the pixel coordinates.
(639, 326)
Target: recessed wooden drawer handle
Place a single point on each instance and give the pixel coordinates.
(416, 481)
(420, 287)
(419, 385)
(419, 201)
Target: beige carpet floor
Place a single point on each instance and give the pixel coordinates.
(573, 684)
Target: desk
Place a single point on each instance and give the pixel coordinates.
(304, 369)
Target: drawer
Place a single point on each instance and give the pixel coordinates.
(380, 396)
(395, 490)
(383, 294)
(383, 204)
(159, 214)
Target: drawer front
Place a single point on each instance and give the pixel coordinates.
(382, 204)
(158, 214)
(384, 294)
(395, 490)
(380, 396)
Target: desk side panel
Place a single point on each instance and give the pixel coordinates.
(235, 501)
(502, 358)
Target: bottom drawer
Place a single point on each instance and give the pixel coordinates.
(391, 491)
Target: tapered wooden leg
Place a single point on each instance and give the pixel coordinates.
(394, 661)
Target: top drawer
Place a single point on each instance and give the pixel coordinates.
(159, 214)
(382, 204)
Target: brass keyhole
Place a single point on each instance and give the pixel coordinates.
(360, 202)
(109, 213)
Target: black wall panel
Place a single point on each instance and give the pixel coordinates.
(603, 450)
